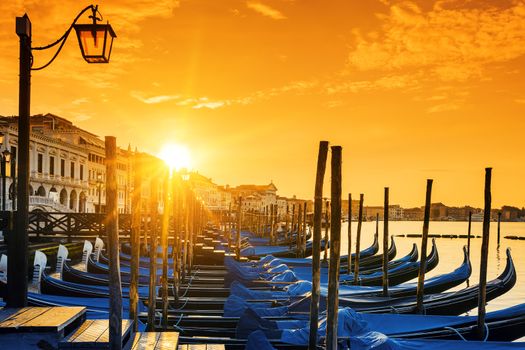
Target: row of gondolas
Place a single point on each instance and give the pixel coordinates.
(263, 302)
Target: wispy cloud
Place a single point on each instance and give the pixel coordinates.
(153, 99)
(450, 42)
(265, 10)
(443, 107)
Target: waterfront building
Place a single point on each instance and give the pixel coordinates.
(67, 166)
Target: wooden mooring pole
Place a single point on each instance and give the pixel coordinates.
(420, 308)
(115, 287)
(316, 244)
(303, 241)
(349, 261)
(299, 234)
(358, 239)
(177, 234)
(482, 296)
(326, 227)
(499, 225)
(272, 224)
(469, 233)
(136, 220)
(335, 248)
(292, 227)
(229, 235)
(153, 209)
(385, 243)
(166, 194)
(239, 225)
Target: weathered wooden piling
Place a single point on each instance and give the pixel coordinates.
(136, 219)
(469, 233)
(299, 233)
(420, 308)
(349, 261)
(164, 244)
(303, 241)
(177, 234)
(115, 287)
(272, 224)
(191, 230)
(292, 227)
(335, 248)
(239, 226)
(482, 292)
(358, 239)
(286, 227)
(316, 244)
(153, 212)
(230, 226)
(499, 225)
(377, 225)
(385, 243)
(326, 226)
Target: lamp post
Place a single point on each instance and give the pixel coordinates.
(95, 42)
(99, 182)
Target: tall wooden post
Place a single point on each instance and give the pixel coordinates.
(272, 224)
(303, 241)
(482, 296)
(153, 209)
(385, 243)
(335, 240)
(349, 261)
(292, 227)
(423, 262)
(177, 236)
(164, 243)
(358, 239)
(230, 226)
(115, 287)
(191, 230)
(316, 244)
(136, 219)
(286, 228)
(299, 233)
(326, 228)
(239, 227)
(469, 233)
(186, 230)
(499, 225)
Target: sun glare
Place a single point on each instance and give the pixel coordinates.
(176, 156)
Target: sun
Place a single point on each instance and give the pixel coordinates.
(176, 156)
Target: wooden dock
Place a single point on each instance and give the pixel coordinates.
(66, 328)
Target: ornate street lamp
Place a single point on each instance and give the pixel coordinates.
(95, 42)
(99, 182)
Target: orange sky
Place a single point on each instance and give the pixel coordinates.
(411, 90)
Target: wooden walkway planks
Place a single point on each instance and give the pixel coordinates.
(155, 341)
(94, 334)
(201, 347)
(38, 319)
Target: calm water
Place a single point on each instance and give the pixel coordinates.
(450, 250)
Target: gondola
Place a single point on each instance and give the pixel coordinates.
(502, 325)
(397, 275)
(450, 303)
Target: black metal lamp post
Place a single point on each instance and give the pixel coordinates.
(95, 42)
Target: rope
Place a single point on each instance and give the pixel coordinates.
(457, 332)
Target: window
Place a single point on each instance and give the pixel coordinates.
(81, 171)
(62, 167)
(72, 170)
(40, 162)
(51, 165)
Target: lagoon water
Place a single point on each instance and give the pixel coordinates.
(450, 250)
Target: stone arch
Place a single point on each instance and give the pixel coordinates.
(63, 197)
(12, 191)
(31, 190)
(41, 191)
(73, 200)
(53, 194)
(82, 202)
